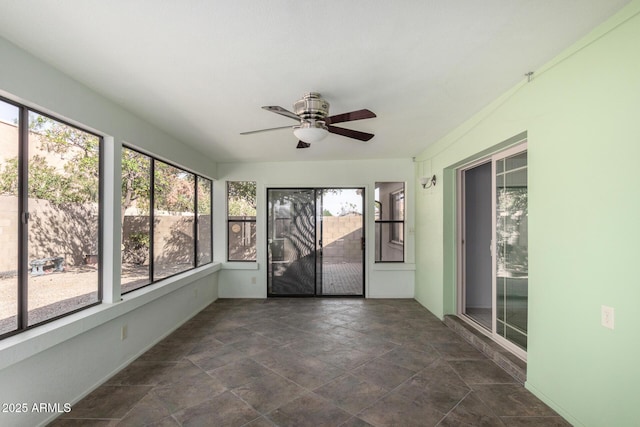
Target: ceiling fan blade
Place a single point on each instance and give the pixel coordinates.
(281, 111)
(265, 130)
(349, 117)
(302, 144)
(350, 133)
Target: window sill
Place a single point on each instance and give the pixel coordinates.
(240, 265)
(21, 346)
(393, 266)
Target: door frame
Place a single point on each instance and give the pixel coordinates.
(319, 229)
(461, 302)
(460, 248)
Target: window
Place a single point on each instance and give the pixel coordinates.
(136, 220)
(173, 220)
(241, 220)
(49, 218)
(166, 220)
(204, 229)
(389, 212)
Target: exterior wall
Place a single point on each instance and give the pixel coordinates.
(65, 232)
(8, 141)
(172, 234)
(580, 113)
(9, 217)
(341, 238)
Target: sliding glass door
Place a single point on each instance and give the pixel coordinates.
(511, 248)
(341, 259)
(478, 295)
(493, 251)
(291, 228)
(315, 242)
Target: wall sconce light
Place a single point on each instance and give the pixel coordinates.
(426, 180)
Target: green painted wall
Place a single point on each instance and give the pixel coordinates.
(581, 113)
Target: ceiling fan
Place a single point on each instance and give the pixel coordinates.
(311, 112)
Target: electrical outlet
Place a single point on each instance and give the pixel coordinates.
(607, 316)
(195, 293)
(124, 332)
(253, 280)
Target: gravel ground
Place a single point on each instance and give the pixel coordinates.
(59, 292)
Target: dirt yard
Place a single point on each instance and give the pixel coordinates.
(55, 293)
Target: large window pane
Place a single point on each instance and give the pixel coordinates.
(389, 211)
(63, 191)
(135, 215)
(9, 217)
(204, 221)
(241, 220)
(512, 265)
(173, 240)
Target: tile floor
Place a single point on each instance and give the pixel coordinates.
(312, 362)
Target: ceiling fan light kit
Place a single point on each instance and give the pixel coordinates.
(311, 131)
(312, 112)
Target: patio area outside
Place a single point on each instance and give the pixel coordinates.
(61, 292)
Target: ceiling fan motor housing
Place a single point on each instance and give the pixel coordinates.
(311, 107)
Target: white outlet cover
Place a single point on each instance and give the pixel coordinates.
(607, 316)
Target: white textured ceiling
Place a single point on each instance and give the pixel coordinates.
(200, 70)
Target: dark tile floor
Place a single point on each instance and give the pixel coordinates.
(312, 362)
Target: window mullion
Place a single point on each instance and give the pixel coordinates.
(196, 240)
(23, 239)
(101, 208)
(211, 220)
(152, 204)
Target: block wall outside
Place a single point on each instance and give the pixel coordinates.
(72, 233)
(342, 238)
(8, 235)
